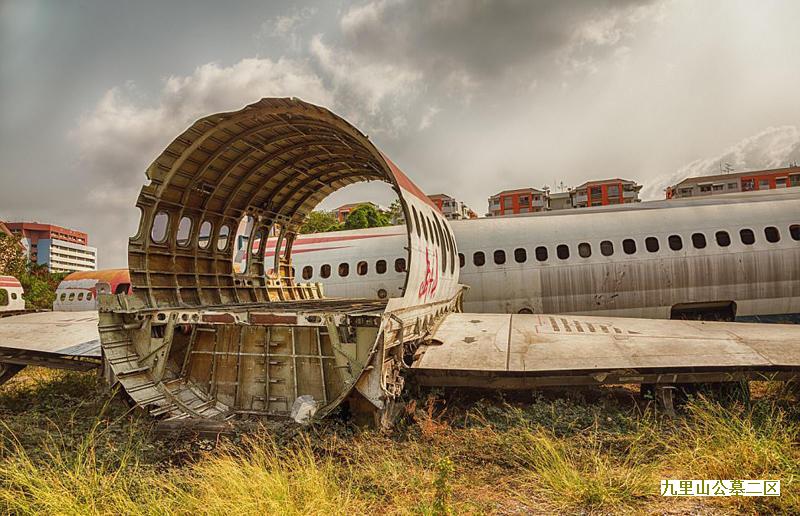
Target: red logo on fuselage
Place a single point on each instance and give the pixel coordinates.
(431, 280)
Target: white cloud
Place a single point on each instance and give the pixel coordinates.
(773, 147)
(427, 117)
(120, 133)
(613, 30)
(368, 89)
(287, 26)
(121, 136)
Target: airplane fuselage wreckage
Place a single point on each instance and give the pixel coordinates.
(198, 340)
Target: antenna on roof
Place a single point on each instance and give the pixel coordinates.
(725, 168)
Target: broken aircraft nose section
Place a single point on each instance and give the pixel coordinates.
(201, 338)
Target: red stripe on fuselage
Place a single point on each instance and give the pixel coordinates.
(269, 254)
(325, 240)
(407, 184)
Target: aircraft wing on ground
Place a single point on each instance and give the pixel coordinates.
(529, 350)
(61, 340)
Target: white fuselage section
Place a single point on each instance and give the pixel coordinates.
(11, 295)
(633, 262)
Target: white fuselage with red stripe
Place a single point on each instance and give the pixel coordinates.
(761, 278)
(11, 294)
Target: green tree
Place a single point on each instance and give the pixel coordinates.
(395, 213)
(12, 258)
(320, 222)
(38, 284)
(366, 216)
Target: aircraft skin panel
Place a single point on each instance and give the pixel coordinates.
(60, 333)
(551, 343)
(477, 342)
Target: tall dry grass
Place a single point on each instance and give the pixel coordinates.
(543, 456)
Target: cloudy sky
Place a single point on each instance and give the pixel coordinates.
(468, 96)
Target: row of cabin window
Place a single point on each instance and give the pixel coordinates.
(439, 235)
(158, 232)
(72, 296)
(4, 295)
(362, 268)
(675, 243)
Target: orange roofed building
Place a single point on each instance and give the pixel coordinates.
(735, 182)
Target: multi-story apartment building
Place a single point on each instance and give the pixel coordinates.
(605, 192)
(521, 200)
(735, 182)
(452, 208)
(61, 249)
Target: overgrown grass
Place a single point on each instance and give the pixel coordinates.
(68, 449)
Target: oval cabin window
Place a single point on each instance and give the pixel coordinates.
(257, 241)
(747, 236)
(520, 255)
(380, 266)
(651, 244)
(606, 248)
(562, 251)
(400, 265)
(307, 272)
(204, 237)
(479, 259)
(325, 271)
(362, 268)
(159, 230)
(699, 240)
(184, 231)
(452, 250)
(584, 250)
(629, 246)
(675, 242)
(499, 257)
(541, 253)
(461, 260)
(222, 238)
(794, 230)
(772, 234)
(416, 221)
(344, 269)
(723, 238)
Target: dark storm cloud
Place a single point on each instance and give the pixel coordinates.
(468, 97)
(478, 37)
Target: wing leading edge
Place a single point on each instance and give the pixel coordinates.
(528, 350)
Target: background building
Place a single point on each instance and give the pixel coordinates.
(560, 200)
(451, 208)
(735, 182)
(61, 249)
(605, 192)
(522, 200)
